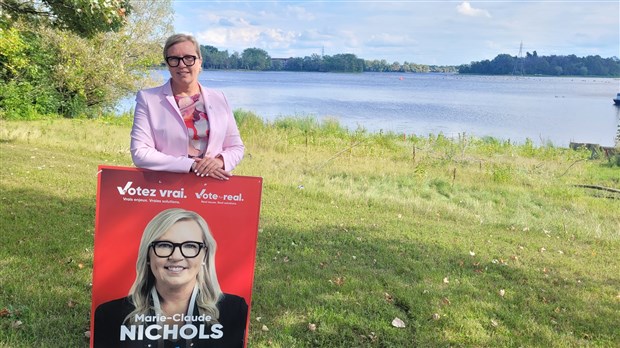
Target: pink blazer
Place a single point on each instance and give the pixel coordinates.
(159, 137)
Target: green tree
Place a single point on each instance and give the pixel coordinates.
(28, 87)
(84, 17)
(313, 63)
(395, 67)
(209, 56)
(212, 58)
(277, 65)
(234, 61)
(61, 72)
(255, 59)
(294, 64)
(344, 63)
(94, 73)
(547, 65)
(503, 64)
(376, 65)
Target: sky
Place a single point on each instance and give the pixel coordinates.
(424, 32)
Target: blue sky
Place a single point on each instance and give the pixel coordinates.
(425, 32)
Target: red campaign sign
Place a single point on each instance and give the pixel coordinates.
(128, 199)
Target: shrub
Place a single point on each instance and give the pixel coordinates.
(28, 89)
(248, 120)
(304, 123)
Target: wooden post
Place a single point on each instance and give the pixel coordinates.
(453, 175)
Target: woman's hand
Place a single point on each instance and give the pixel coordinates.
(213, 167)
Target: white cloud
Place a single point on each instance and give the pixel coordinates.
(440, 32)
(240, 38)
(277, 38)
(300, 13)
(316, 35)
(465, 9)
(390, 40)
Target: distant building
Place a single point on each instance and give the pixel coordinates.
(283, 60)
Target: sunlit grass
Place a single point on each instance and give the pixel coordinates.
(470, 242)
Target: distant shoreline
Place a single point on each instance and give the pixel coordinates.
(158, 68)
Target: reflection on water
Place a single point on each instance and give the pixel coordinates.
(543, 109)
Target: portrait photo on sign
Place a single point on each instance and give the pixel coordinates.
(176, 299)
(174, 258)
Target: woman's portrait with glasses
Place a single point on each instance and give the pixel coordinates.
(182, 126)
(175, 300)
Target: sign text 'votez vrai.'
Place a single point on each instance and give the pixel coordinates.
(132, 193)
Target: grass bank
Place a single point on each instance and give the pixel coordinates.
(470, 242)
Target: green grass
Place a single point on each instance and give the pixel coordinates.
(356, 229)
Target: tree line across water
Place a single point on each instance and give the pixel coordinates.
(533, 64)
(503, 64)
(259, 59)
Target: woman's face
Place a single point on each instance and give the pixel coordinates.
(176, 270)
(183, 75)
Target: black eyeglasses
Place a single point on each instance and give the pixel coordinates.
(189, 249)
(187, 60)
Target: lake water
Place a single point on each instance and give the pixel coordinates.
(543, 109)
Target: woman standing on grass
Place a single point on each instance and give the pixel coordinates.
(183, 126)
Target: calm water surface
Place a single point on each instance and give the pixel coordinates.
(543, 109)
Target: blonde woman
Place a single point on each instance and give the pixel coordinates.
(176, 300)
(182, 126)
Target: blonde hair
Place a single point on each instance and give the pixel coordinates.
(208, 285)
(178, 38)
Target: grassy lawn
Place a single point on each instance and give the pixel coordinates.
(469, 242)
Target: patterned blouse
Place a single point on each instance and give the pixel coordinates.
(197, 122)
